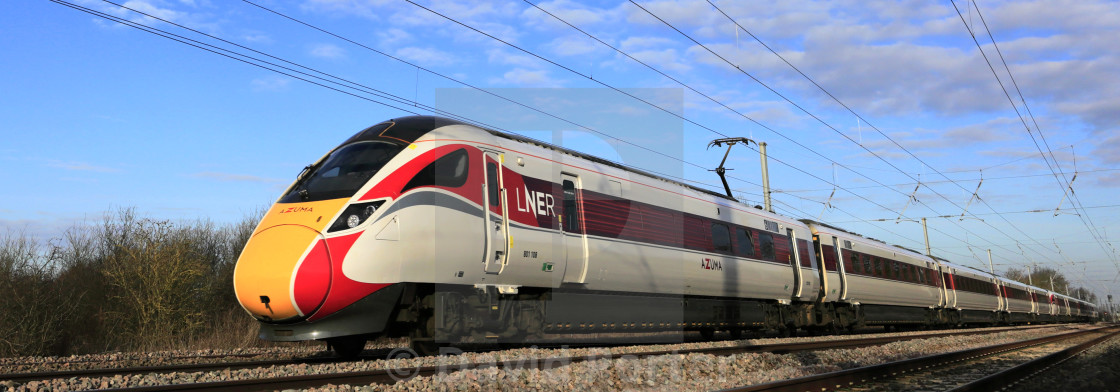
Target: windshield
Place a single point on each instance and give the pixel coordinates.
(343, 172)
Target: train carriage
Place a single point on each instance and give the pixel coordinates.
(445, 232)
(1019, 306)
(974, 293)
(891, 285)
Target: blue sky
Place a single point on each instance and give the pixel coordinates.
(97, 116)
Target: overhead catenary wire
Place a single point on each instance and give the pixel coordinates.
(561, 66)
(384, 94)
(1063, 185)
(907, 184)
(197, 44)
(495, 127)
(267, 65)
(834, 98)
(826, 124)
(217, 51)
(696, 91)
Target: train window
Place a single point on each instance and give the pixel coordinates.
(448, 171)
(492, 180)
(721, 238)
(855, 266)
(867, 270)
(744, 245)
(896, 274)
(571, 214)
(920, 274)
(342, 173)
(878, 267)
(766, 245)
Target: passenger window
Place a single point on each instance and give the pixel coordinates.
(856, 266)
(492, 181)
(867, 266)
(766, 243)
(448, 171)
(721, 238)
(744, 246)
(879, 271)
(571, 214)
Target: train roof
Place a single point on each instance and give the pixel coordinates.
(592, 158)
(881, 242)
(410, 125)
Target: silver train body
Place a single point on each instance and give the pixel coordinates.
(445, 232)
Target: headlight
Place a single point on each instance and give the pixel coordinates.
(355, 215)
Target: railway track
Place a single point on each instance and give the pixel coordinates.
(1013, 376)
(934, 372)
(195, 367)
(392, 375)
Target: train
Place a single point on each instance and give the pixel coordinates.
(444, 232)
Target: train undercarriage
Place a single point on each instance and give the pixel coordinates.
(435, 316)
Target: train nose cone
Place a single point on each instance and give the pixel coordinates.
(283, 273)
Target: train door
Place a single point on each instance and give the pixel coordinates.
(840, 267)
(818, 249)
(1001, 297)
(796, 263)
(571, 225)
(497, 211)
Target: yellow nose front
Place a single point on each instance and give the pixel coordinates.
(287, 243)
(263, 276)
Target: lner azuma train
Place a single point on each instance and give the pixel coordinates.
(445, 232)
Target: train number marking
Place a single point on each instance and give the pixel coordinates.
(710, 264)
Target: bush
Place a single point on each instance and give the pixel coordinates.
(127, 283)
(34, 307)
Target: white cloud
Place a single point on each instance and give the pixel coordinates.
(426, 56)
(393, 36)
(528, 78)
(153, 10)
(646, 42)
(508, 57)
(328, 51)
(574, 46)
(257, 38)
(270, 83)
(577, 14)
(362, 8)
(665, 59)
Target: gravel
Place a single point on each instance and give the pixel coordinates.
(1096, 369)
(668, 372)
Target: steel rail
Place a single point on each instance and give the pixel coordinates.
(377, 354)
(101, 372)
(853, 377)
(389, 376)
(1012, 376)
